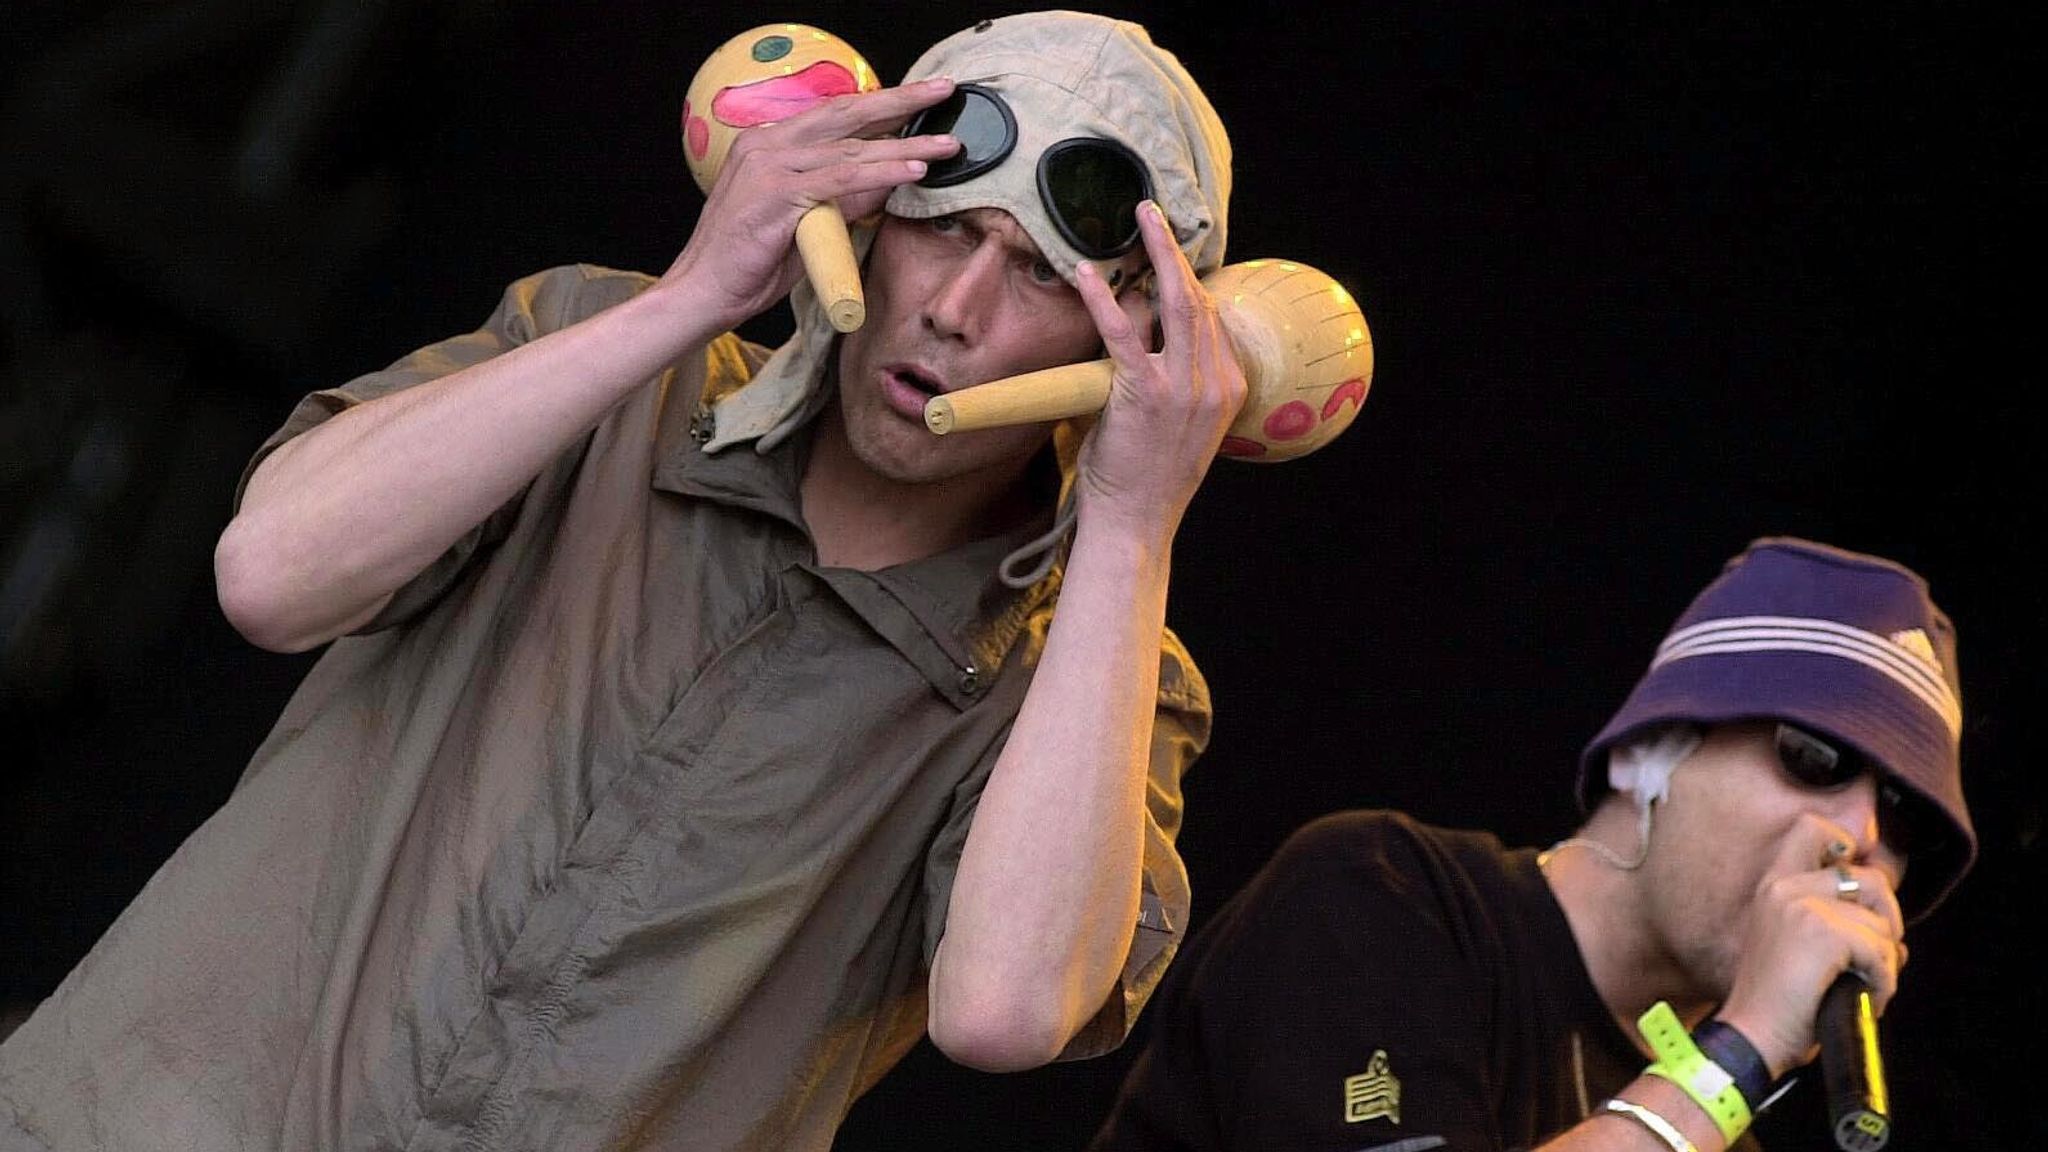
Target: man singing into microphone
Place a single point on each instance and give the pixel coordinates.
(1652, 981)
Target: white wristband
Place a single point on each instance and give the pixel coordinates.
(1670, 1135)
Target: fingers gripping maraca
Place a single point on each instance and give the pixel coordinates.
(1299, 335)
(761, 76)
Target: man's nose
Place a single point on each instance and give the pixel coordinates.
(1859, 815)
(963, 291)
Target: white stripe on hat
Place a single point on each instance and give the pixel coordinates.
(1908, 661)
(1735, 634)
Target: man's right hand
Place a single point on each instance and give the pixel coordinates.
(1804, 931)
(337, 519)
(740, 259)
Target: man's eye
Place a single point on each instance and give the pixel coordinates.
(943, 224)
(1042, 272)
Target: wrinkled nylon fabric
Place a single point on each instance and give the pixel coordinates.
(625, 825)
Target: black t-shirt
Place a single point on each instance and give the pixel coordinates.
(1380, 982)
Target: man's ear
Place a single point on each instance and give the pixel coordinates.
(1641, 768)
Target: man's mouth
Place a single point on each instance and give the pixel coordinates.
(917, 380)
(907, 388)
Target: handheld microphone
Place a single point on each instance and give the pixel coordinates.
(1852, 1069)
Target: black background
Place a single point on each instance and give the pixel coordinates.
(1644, 282)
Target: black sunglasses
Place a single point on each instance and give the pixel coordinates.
(1908, 823)
(1091, 187)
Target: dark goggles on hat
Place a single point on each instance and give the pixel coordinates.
(1910, 825)
(1090, 186)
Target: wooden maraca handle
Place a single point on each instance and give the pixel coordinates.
(1298, 335)
(1050, 394)
(827, 251)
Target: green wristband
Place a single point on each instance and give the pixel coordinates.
(1680, 1061)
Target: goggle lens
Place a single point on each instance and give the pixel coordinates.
(981, 122)
(1090, 187)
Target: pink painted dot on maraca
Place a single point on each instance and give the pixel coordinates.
(696, 134)
(1352, 390)
(1290, 421)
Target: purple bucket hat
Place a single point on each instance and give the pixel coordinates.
(1847, 645)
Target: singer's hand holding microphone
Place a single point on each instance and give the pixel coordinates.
(1820, 961)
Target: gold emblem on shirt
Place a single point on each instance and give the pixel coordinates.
(1372, 1093)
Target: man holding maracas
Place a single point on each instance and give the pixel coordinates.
(695, 726)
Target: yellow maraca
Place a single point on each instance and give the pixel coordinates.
(767, 74)
(1297, 333)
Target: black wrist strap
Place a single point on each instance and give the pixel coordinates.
(1727, 1046)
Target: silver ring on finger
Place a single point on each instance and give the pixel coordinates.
(1847, 887)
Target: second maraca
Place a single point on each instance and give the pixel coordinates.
(767, 74)
(1299, 336)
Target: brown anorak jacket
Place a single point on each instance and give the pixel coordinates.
(626, 825)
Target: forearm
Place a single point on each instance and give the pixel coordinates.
(338, 518)
(1046, 895)
(1616, 1132)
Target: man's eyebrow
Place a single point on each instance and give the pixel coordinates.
(1017, 240)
